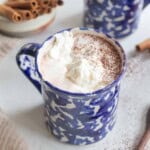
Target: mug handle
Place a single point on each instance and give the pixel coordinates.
(26, 62)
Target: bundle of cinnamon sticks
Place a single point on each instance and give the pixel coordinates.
(22, 10)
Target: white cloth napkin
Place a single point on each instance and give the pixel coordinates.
(9, 137)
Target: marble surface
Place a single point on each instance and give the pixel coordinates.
(22, 102)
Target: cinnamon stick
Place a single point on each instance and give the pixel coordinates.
(11, 0)
(43, 3)
(143, 45)
(40, 10)
(10, 13)
(43, 8)
(22, 4)
(60, 2)
(47, 10)
(26, 14)
(35, 13)
(52, 3)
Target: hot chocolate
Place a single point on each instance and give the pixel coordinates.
(79, 61)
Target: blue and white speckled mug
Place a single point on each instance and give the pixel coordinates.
(75, 118)
(117, 18)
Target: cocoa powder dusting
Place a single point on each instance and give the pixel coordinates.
(97, 49)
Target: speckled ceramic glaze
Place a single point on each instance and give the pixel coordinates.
(75, 118)
(117, 18)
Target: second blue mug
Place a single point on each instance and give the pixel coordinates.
(117, 18)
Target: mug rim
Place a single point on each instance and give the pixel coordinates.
(55, 88)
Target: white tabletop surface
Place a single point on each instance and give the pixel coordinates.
(22, 102)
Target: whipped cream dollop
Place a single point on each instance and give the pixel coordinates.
(61, 47)
(85, 73)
